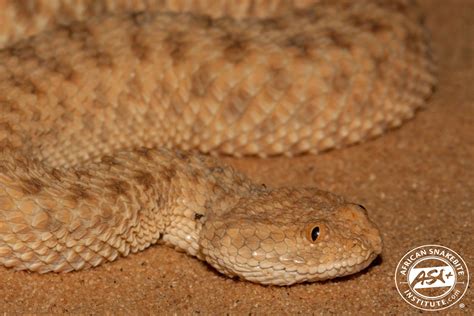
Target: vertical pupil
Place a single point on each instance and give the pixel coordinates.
(315, 233)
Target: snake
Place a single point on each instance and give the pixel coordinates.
(113, 115)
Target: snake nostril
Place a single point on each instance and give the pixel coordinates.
(362, 208)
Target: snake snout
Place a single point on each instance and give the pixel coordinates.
(356, 217)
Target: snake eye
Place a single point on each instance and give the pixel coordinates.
(315, 233)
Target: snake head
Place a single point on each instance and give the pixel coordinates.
(286, 236)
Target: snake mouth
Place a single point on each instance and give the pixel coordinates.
(280, 275)
(338, 270)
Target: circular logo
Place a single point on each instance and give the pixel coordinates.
(431, 277)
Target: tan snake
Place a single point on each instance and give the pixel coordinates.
(100, 119)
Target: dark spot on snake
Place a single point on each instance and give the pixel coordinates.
(182, 155)
(25, 84)
(76, 31)
(102, 59)
(280, 79)
(79, 32)
(35, 115)
(378, 65)
(313, 16)
(340, 83)
(8, 106)
(198, 216)
(49, 222)
(79, 191)
(62, 104)
(413, 43)
(145, 178)
(176, 46)
(7, 127)
(25, 9)
(236, 50)
(302, 13)
(32, 186)
(396, 6)
(179, 106)
(236, 104)
(422, 19)
(307, 113)
(368, 24)
(141, 18)
(200, 82)
(160, 203)
(267, 126)
(144, 152)
(109, 160)
(106, 214)
(119, 187)
(239, 181)
(377, 27)
(167, 173)
(24, 51)
(302, 42)
(80, 173)
(339, 39)
(54, 66)
(217, 169)
(57, 174)
(273, 24)
(357, 21)
(204, 21)
(21, 162)
(139, 49)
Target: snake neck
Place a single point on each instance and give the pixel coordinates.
(87, 215)
(202, 192)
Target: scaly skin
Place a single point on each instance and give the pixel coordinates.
(77, 101)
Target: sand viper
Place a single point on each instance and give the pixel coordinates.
(105, 104)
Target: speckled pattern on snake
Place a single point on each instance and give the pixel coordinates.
(104, 106)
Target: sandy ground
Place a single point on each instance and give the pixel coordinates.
(416, 181)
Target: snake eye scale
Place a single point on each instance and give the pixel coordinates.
(105, 122)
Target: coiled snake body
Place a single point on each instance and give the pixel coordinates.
(99, 119)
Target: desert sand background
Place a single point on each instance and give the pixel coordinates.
(416, 181)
